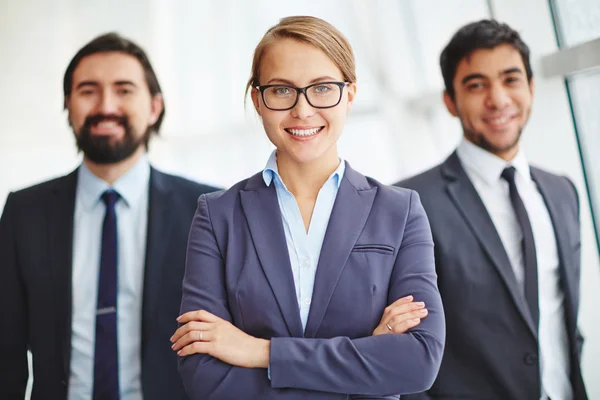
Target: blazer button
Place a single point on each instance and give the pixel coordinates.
(530, 359)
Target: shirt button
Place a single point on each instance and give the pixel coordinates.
(305, 263)
(307, 301)
(530, 359)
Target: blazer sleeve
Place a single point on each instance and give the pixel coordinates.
(13, 312)
(376, 365)
(204, 376)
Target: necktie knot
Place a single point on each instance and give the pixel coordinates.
(509, 174)
(110, 198)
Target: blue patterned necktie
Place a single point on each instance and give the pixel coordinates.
(106, 356)
(528, 248)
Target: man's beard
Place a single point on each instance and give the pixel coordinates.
(478, 139)
(104, 149)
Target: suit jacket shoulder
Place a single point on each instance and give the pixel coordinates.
(181, 185)
(32, 195)
(558, 183)
(428, 180)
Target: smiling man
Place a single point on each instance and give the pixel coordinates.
(91, 263)
(506, 235)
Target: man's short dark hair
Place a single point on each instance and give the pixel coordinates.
(111, 42)
(484, 34)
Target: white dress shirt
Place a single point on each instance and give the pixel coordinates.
(132, 219)
(304, 247)
(484, 169)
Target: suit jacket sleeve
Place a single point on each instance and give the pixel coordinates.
(13, 312)
(204, 376)
(375, 366)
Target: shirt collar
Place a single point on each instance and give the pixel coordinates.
(131, 186)
(271, 171)
(488, 166)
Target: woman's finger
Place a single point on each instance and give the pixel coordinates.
(404, 326)
(198, 315)
(418, 314)
(199, 336)
(191, 337)
(400, 301)
(405, 308)
(190, 326)
(194, 348)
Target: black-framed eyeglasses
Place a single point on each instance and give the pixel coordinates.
(318, 95)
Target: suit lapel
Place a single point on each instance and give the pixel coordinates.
(467, 201)
(553, 205)
(60, 218)
(348, 217)
(159, 228)
(261, 208)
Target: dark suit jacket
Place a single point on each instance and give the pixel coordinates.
(377, 248)
(36, 246)
(491, 345)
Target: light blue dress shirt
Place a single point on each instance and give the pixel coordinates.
(304, 248)
(132, 221)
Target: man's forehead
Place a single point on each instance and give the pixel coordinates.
(491, 62)
(108, 68)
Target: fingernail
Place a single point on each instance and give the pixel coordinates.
(423, 312)
(420, 304)
(408, 298)
(416, 320)
(179, 318)
(179, 353)
(173, 346)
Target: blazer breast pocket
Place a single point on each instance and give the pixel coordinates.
(373, 248)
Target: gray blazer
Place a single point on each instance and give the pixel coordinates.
(377, 249)
(491, 345)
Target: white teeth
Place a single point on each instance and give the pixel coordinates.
(303, 132)
(107, 124)
(498, 121)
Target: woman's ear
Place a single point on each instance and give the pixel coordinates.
(255, 94)
(351, 93)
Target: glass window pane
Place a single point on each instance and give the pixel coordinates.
(585, 95)
(579, 20)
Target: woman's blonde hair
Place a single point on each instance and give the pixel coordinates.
(309, 30)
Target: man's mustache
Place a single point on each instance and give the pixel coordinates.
(97, 118)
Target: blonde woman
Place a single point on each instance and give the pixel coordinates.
(308, 280)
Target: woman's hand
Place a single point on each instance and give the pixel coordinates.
(205, 333)
(400, 316)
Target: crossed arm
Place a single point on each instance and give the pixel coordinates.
(228, 363)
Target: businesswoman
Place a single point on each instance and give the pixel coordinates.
(293, 275)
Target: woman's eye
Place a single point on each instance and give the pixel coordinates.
(282, 91)
(322, 89)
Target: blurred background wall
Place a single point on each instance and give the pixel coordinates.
(202, 50)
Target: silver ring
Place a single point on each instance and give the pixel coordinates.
(200, 335)
(388, 326)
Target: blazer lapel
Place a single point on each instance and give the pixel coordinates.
(348, 217)
(159, 227)
(553, 205)
(261, 208)
(60, 218)
(467, 201)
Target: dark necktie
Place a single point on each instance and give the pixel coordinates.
(106, 359)
(529, 256)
